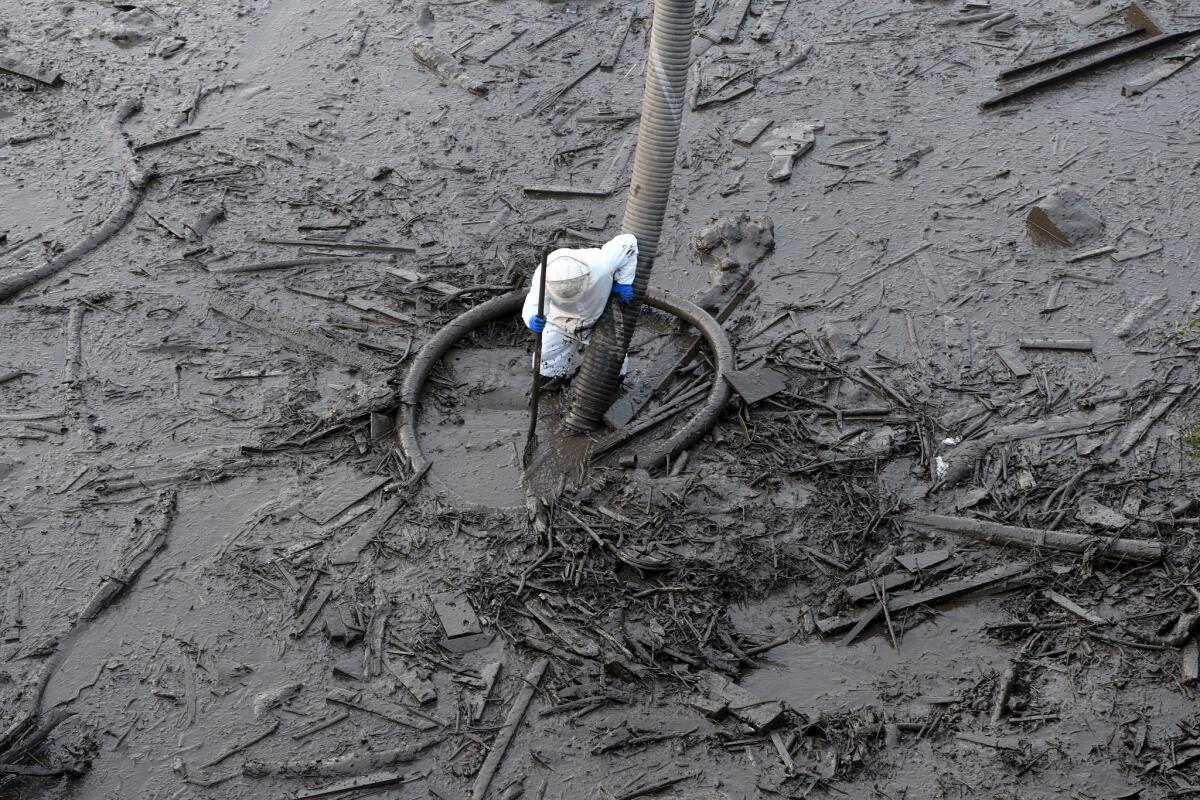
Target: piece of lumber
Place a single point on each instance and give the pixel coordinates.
(16, 67)
(862, 592)
(750, 709)
(1152, 415)
(1004, 687)
(374, 780)
(946, 591)
(412, 276)
(351, 549)
(1082, 344)
(1174, 64)
(444, 65)
(769, 20)
(1067, 604)
(355, 762)
(244, 744)
(374, 247)
(731, 20)
(1189, 662)
(516, 714)
(612, 52)
(285, 263)
(1087, 66)
(555, 94)
(311, 610)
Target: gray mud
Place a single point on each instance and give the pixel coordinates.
(907, 302)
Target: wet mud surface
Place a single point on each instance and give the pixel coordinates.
(692, 631)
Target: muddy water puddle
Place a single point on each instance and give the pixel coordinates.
(477, 448)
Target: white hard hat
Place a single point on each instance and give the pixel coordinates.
(566, 276)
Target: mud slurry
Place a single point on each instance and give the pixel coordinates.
(314, 120)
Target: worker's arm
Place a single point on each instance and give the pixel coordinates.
(620, 257)
(530, 309)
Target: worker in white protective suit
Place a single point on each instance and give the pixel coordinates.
(578, 284)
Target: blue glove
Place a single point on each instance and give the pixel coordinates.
(623, 291)
(537, 323)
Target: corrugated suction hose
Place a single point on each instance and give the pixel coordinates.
(653, 162)
(505, 307)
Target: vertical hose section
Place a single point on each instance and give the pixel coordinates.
(653, 162)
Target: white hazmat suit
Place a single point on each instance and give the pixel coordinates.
(574, 301)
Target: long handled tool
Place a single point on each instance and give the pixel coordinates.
(536, 391)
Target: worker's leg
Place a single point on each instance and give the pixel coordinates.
(562, 354)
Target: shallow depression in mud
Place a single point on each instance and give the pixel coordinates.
(475, 434)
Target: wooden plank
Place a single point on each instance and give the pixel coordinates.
(8, 64)
(946, 591)
(612, 52)
(352, 548)
(344, 490)
(412, 276)
(862, 592)
(768, 23)
(726, 28)
(1085, 67)
(374, 247)
(310, 613)
(1070, 605)
(1014, 363)
(926, 559)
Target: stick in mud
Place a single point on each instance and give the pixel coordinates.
(1152, 415)
(536, 390)
(444, 65)
(375, 247)
(516, 714)
(1081, 344)
(136, 180)
(73, 364)
(340, 767)
(995, 533)
(1004, 687)
(245, 744)
(152, 539)
(287, 263)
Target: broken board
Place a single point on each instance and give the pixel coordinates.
(755, 385)
(343, 488)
